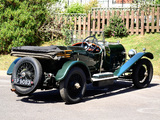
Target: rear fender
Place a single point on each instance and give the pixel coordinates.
(10, 70)
(68, 65)
(132, 61)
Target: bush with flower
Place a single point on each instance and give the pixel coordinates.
(116, 28)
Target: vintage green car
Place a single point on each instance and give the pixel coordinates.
(70, 68)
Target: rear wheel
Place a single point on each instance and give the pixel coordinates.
(142, 73)
(26, 75)
(72, 88)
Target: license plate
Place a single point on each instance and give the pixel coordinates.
(22, 82)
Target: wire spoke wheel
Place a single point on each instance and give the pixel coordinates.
(142, 73)
(26, 75)
(26, 71)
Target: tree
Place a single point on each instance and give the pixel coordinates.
(19, 22)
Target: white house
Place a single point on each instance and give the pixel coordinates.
(103, 4)
(108, 3)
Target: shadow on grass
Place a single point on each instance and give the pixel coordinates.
(53, 96)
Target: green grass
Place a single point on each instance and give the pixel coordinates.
(149, 41)
(5, 61)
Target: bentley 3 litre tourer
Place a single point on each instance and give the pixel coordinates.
(70, 68)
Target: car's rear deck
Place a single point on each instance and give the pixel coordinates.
(46, 52)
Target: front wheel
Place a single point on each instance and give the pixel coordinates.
(72, 88)
(142, 73)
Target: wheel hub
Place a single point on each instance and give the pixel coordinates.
(144, 77)
(77, 85)
(23, 74)
(146, 74)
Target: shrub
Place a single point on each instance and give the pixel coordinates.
(75, 8)
(116, 28)
(157, 2)
(79, 8)
(19, 22)
(90, 5)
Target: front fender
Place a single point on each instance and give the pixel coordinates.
(10, 70)
(67, 66)
(131, 61)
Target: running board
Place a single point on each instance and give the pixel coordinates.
(103, 76)
(104, 79)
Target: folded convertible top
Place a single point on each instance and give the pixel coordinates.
(47, 52)
(37, 49)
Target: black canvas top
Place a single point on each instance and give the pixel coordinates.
(37, 49)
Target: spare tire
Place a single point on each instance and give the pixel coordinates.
(26, 76)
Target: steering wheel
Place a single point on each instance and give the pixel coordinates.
(89, 45)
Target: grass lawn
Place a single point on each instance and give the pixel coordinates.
(5, 61)
(149, 41)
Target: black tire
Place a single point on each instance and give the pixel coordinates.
(32, 70)
(73, 87)
(142, 73)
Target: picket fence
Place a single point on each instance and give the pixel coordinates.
(136, 22)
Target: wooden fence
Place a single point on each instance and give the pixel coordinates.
(136, 22)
